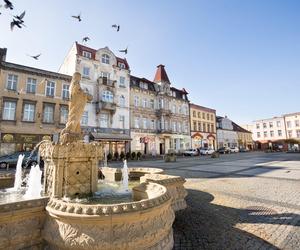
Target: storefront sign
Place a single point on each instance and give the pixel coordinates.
(8, 138)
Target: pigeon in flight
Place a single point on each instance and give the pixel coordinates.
(78, 17)
(8, 4)
(116, 26)
(124, 50)
(20, 18)
(16, 23)
(36, 57)
(85, 39)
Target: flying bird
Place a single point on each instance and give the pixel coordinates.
(36, 57)
(78, 17)
(124, 50)
(116, 26)
(8, 4)
(16, 23)
(20, 18)
(85, 39)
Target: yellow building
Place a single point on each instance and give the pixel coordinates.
(33, 105)
(203, 126)
(244, 137)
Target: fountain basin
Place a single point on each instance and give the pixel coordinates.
(145, 223)
(7, 180)
(135, 173)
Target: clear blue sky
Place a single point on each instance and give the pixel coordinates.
(239, 57)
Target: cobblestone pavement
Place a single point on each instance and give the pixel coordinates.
(242, 201)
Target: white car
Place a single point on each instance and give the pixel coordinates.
(206, 151)
(191, 152)
(234, 150)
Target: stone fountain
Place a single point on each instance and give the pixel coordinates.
(60, 221)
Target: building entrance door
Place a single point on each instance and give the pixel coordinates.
(161, 148)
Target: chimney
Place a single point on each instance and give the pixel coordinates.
(3, 54)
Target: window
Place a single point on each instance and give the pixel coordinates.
(122, 101)
(122, 81)
(86, 71)
(87, 54)
(122, 121)
(31, 85)
(143, 85)
(85, 118)
(152, 104)
(136, 101)
(199, 114)
(298, 133)
(212, 128)
(64, 112)
(144, 103)
(195, 126)
(271, 133)
(105, 59)
(179, 127)
(265, 125)
(121, 65)
(278, 124)
(174, 126)
(174, 109)
(289, 124)
(194, 113)
(137, 122)
(271, 124)
(152, 124)
(208, 128)
(166, 124)
(279, 133)
(50, 88)
(212, 117)
(258, 134)
(107, 96)
(265, 134)
(103, 120)
(204, 127)
(207, 117)
(65, 91)
(9, 110)
(296, 123)
(28, 112)
(199, 126)
(203, 116)
(144, 123)
(105, 75)
(12, 81)
(48, 113)
(290, 133)
(185, 127)
(160, 103)
(257, 125)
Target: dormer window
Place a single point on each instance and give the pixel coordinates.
(87, 54)
(105, 58)
(143, 85)
(121, 65)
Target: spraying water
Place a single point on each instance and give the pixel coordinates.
(125, 176)
(18, 175)
(34, 184)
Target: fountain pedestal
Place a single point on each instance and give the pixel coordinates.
(70, 169)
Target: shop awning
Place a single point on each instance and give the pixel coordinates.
(110, 137)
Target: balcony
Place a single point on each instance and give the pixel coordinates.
(107, 82)
(161, 112)
(101, 105)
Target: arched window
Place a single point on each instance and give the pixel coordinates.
(105, 58)
(107, 96)
(122, 101)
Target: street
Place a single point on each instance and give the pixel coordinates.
(238, 201)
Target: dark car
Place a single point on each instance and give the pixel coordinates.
(12, 159)
(224, 150)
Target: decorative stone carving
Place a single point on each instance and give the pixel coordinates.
(174, 185)
(141, 224)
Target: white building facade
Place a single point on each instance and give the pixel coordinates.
(226, 136)
(107, 78)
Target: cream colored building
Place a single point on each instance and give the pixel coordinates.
(203, 127)
(292, 124)
(33, 105)
(159, 115)
(107, 78)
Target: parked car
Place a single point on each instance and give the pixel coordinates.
(224, 150)
(12, 159)
(191, 152)
(243, 150)
(206, 151)
(234, 150)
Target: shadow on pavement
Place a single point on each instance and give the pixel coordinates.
(203, 225)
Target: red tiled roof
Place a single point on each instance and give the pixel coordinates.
(196, 106)
(80, 48)
(161, 74)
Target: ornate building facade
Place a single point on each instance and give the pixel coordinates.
(203, 127)
(159, 115)
(33, 105)
(107, 78)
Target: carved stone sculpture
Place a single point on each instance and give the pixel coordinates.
(78, 99)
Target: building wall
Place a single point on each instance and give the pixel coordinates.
(292, 124)
(203, 126)
(17, 134)
(227, 138)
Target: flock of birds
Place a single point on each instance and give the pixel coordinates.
(19, 23)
